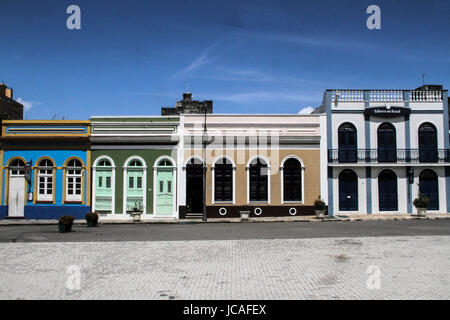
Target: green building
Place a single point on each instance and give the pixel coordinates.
(134, 165)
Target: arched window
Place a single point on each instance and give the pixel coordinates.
(135, 163)
(429, 187)
(103, 201)
(387, 191)
(17, 168)
(387, 143)
(74, 186)
(223, 180)
(45, 180)
(164, 163)
(428, 143)
(104, 163)
(347, 142)
(348, 191)
(258, 174)
(135, 186)
(292, 180)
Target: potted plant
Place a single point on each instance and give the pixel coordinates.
(92, 219)
(244, 211)
(421, 203)
(137, 211)
(319, 207)
(65, 224)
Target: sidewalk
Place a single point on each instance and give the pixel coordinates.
(377, 217)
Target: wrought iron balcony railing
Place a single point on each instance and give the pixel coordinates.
(384, 155)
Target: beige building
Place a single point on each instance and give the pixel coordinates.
(270, 163)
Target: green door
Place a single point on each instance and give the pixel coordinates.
(164, 191)
(103, 187)
(135, 190)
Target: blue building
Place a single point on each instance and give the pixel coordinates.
(385, 148)
(45, 169)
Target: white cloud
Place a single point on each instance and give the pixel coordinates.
(306, 110)
(250, 97)
(229, 74)
(246, 97)
(27, 105)
(202, 60)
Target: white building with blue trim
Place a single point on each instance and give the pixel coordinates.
(384, 148)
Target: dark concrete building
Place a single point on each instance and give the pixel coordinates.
(9, 108)
(188, 106)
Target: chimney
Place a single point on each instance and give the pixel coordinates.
(5, 91)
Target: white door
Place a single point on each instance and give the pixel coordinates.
(16, 196)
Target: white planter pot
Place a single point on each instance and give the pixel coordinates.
(136, 216)
(244, 215)
(422, 212)
(319, 213)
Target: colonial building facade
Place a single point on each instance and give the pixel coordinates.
(361, 151)
(45, 169)
(384, 148)
(134, 166)
(270, 163)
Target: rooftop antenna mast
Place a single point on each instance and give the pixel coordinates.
(187, 85)
(423, 79)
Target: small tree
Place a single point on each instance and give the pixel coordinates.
(319, 205)
(421, 202)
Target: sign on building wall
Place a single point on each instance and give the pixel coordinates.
(387, 111)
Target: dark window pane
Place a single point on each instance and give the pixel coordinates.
(292, 180)
(223, 182)
(258, 181)
(130, 182)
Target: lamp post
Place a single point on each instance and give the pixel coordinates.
(205, 141)
(28, 168)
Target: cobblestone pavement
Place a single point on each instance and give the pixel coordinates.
(412, 267)
(224, 231)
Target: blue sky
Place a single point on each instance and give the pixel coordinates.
(133, 57)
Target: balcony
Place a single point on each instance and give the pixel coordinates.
(389, 156)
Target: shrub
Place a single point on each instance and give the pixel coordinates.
(245, 208)
(92, 216)
(421, 202)
(66, 220)
(319, 205)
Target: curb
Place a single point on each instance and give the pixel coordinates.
(235, 220)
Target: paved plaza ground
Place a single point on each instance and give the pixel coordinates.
(288, 260)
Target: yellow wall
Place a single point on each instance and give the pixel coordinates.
(309, 157)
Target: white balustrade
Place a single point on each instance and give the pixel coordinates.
(417, 95)
(348, 95)
(385, 95)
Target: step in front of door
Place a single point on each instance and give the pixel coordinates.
(194, 216)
